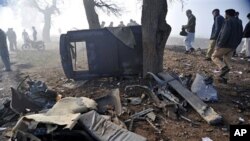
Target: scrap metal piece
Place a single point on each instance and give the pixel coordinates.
(63, 114)
(189, 120)
(131, 124)
(158, 102)
(150, 123)
(24, 136)
(206, 112)
(141, 113)
(32, 96)
(151, 116)
(134, 100)
(111, 99)
(203, 88)
(105, 130)
(20, 103)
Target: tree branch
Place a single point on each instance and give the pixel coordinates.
(108, 8)
(36, 5)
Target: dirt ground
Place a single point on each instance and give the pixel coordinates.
(45, 65)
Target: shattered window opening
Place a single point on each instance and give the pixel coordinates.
(79, 56)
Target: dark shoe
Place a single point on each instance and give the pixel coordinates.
(208, 59)
(224, 71)
(192, 49)
(222, 80)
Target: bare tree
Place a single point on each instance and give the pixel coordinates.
(92, 16)
(155, 32)
(47, 12)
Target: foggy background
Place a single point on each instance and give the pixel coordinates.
(19, 15)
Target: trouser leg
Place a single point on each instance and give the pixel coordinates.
(187, 43)
(5, 58)
(243, 50)
(211, 48)
(11, 46)
(217, 57)
(15, 45)
(227, 58)
(247, 45)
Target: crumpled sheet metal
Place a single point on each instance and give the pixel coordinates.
(205, 92)
(65, 112)
(111, 99)
(125, 35)
(105, 130)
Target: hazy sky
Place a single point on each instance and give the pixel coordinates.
(73, 15)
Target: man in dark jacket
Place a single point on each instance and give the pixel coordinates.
(12, 39)
(4, 53)
(190, 28)
(229, 38)
(240, 45)
(246, 35)
(218, 22)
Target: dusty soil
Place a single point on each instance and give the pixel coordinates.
(45, 65)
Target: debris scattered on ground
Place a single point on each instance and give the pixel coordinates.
(32, 96)
(204, 89)
(206, 112)
(6, 113)
(206, 139)
(241, 120)
(111, 101)
(71, 84)
(111, 116)
(134, 100)
(105, 130)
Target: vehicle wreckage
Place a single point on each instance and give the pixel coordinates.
(110, 54)
(115, 51)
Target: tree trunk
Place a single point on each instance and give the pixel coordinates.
(46, 27)
(155, 32)
(91, 14)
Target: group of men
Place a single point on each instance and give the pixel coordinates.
(227, 34)
(26, 37)
(12, 38)
(121, 24)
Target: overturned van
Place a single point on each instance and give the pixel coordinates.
(88, 54)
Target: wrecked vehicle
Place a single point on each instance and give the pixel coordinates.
(87, 54)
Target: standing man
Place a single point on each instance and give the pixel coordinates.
(4, 53)
(246, 35)
(229, 38)
(26, 37)
(111, 24)
(218, 22)
(34, 33)
(103, 24)
(240, 45)
(190, 28)
(12, 39)
(121, 24)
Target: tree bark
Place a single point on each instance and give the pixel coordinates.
(92, 17)
(155, 32)
(47, 26)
